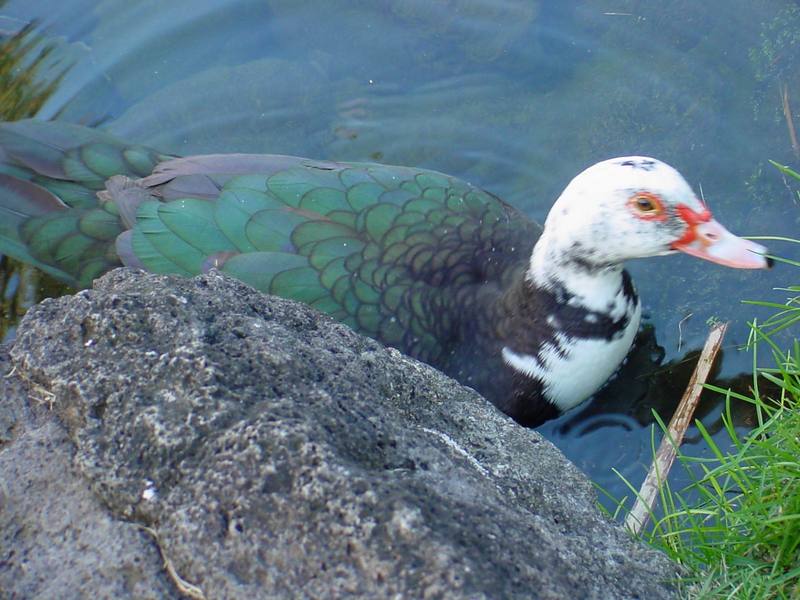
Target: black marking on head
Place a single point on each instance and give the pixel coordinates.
(581, 257)
(644, 164)
(584, 263)
(576, 249)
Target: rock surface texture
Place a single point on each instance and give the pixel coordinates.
(274, 453)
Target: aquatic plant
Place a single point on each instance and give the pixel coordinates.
(23, 89)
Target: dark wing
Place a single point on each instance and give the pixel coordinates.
(400, 254)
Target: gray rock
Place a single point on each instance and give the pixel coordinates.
(57, 540)
(277, 454)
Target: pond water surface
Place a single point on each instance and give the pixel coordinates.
(516, 96)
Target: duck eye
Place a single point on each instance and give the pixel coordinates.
(646, 205)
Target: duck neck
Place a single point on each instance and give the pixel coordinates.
(565, 272)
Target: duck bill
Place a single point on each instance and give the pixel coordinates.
(711, 241)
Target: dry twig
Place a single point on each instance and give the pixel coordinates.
(640, 513)
(184, 587)
(680, 330)
(787, 113)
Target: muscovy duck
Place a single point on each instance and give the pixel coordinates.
(421, 261)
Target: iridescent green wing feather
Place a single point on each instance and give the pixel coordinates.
(70, 161)
(392, 251)
(404, 255)
(50, 215)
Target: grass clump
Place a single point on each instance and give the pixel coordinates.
(736, 528)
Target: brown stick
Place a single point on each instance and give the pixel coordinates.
(184, 587)
(787, 113)
(640, 513)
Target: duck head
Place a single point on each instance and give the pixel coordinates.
(635, 207)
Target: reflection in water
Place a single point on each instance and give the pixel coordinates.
(259, 117)
(24, 56)
(777, 64)
(624, 408)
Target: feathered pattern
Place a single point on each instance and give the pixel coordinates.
(530, 320)
(52, 217)
(403, 255)
(411, 257)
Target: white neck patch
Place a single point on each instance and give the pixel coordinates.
(572, 369)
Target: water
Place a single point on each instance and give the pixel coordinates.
(516, 96)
